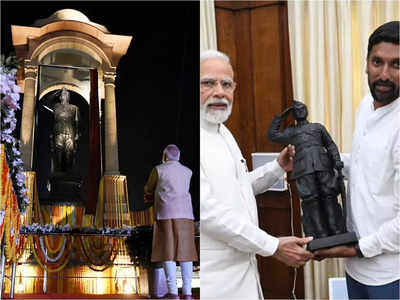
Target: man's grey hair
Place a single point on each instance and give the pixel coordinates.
(207, 54)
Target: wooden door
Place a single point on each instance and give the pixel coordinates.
(255, 36)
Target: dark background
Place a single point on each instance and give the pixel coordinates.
(157, 80)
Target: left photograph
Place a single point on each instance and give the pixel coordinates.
(99, 150)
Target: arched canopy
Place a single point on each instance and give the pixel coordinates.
(80, 44)
(69, 29)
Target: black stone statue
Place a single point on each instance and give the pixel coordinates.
(317, 171)
(65, 180)
(65, 133)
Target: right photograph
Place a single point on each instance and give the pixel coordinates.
(299, 149)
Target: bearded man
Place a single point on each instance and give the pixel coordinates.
(373, 265)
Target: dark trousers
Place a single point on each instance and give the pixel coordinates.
(322, 214)
(357, 290)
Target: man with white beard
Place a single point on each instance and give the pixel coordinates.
(230, 236)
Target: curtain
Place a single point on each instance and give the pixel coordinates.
(328, 46)
(208, 32)
(95, 171)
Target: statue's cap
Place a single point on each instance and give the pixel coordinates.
(298, 104)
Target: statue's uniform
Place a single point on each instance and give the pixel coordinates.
(65, 126)
(316, 182)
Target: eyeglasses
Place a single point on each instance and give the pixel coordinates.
(210, 83)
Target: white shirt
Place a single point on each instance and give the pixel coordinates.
(230, 236)
(374, 184)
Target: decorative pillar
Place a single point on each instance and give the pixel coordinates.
(28, 115)
(110, 120)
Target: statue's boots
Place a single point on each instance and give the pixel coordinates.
(313, 221)
(335, 219)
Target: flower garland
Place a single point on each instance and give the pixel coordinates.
(9, 91)
(99, 258)
(2, 217)
(41, 257)
(3, 202)
(47, 257)
(44, 229)
(4, 192)
(21, 246)
(36, 228)
(12, 238)
(95, 264)
(10, 217)
(54, 243)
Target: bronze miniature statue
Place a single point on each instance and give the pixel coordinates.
(317, 171)
(65, 133)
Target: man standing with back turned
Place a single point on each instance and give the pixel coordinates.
(373, 266)
(230, 236)
(173, 238)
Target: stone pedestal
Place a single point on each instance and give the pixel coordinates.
(65, 188)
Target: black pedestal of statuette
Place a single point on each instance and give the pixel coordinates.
(348, 238)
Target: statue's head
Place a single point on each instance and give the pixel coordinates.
(64, 97)
(171, 152)
(299, 110)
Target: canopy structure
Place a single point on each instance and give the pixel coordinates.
(67, 50)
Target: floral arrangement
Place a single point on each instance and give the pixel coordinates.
(9, 91)
(36, 228)
(45, 229)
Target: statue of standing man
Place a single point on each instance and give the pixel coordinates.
(317, 156)
(65, 133)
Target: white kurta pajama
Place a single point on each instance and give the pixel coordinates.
(374, 202)
(230, 236)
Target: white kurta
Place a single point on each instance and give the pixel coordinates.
(230, 236)
(374, 204)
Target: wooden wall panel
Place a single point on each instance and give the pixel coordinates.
(275, 218)
(255, 36)
(245, 92)
(237, 5)
(226, 37)
(268, 75)
(277, 280)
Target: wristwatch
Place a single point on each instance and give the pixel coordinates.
(358, 251)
